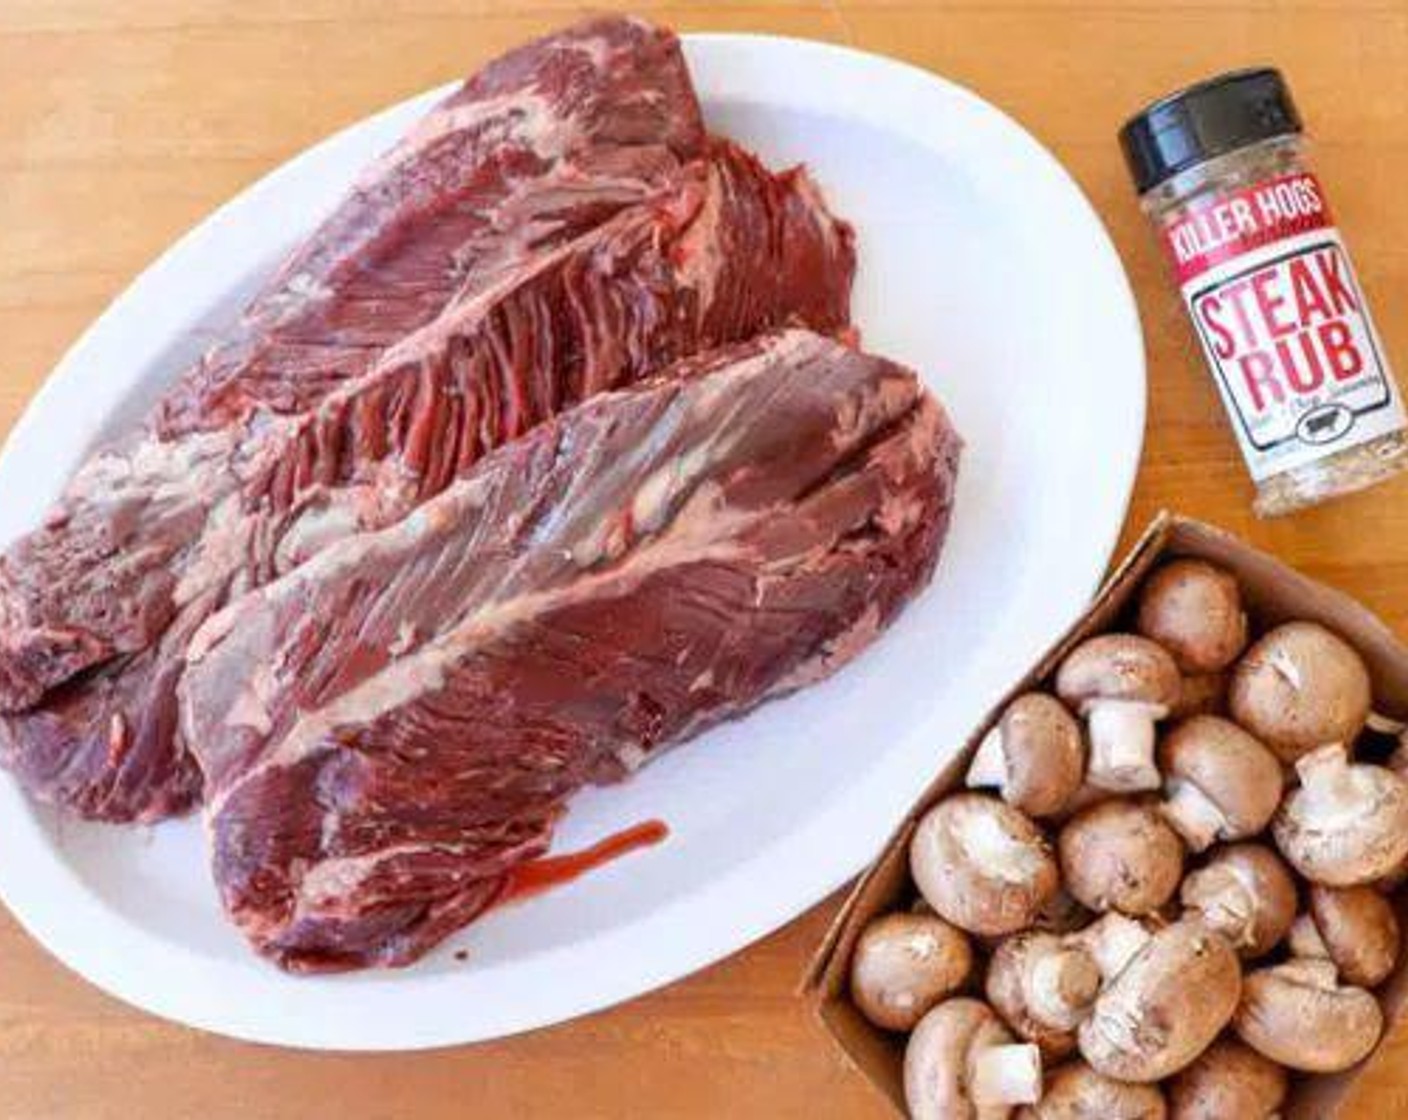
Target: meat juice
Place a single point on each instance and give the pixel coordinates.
(543, 874)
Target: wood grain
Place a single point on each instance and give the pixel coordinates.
(126, 121)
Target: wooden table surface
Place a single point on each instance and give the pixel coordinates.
(124, 122)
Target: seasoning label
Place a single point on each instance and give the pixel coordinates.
(1283, 323)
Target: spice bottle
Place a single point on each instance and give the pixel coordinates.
(1223, 175)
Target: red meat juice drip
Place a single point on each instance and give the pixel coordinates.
(552, 871)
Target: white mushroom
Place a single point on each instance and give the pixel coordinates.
(1297, 1015)
(1299, 688)
(1194, 610)
(1246, 894)
(1042, 986)
(1353, 927)
(1165, 1007)
(961, 1062)
(1120, 855)
(1347, 824)
(1034, 757)
(1221, 783)
(1122, 684)
(1077, 1092)
(982, 865)
(1231, 1081)
(904, 964)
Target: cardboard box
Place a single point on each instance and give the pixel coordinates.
(1274, 593)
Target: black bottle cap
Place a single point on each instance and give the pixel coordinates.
(1209, 119)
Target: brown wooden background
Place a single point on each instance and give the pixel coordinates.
(123, 122)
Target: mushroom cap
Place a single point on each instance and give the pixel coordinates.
(1194, 610)
(1228, 767)
(982, 865)
(1245, 893)
(1044, 752)
(1347, 824)
(1229, 1080)
(905, 963)
(1165, 1007)
(1118, 667)
(1077, 1092)
(939, 1059)
(1120, 855)
(1295, 1015)
(1031, 970)
(1360, 931)
(1300, 687)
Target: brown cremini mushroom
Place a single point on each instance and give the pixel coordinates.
(1221, 783)
(1299, 688)
(1194, 610)
(982, 865)
(961, 1061)
(1165, 1007)
(1246, 894)
(904, 964)
(1034, 757)
(1042, 987)
(1077, 1092)
(1355, 928)
(1297, 1015)
(1231, 1081)
(1347, 824)
(1122, 684)
(1120, 855)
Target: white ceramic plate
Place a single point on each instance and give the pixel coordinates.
(981, 265)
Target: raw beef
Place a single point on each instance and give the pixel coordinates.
(394, 726)
(168, 535)
(539, 147)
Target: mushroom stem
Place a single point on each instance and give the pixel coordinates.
(1007, 1075)
(1122, 744)
(1194, 815)
(989, 766)
(1305, 940)
(1112, 942)
(1063, 986)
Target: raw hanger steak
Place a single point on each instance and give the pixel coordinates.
(552, 446)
